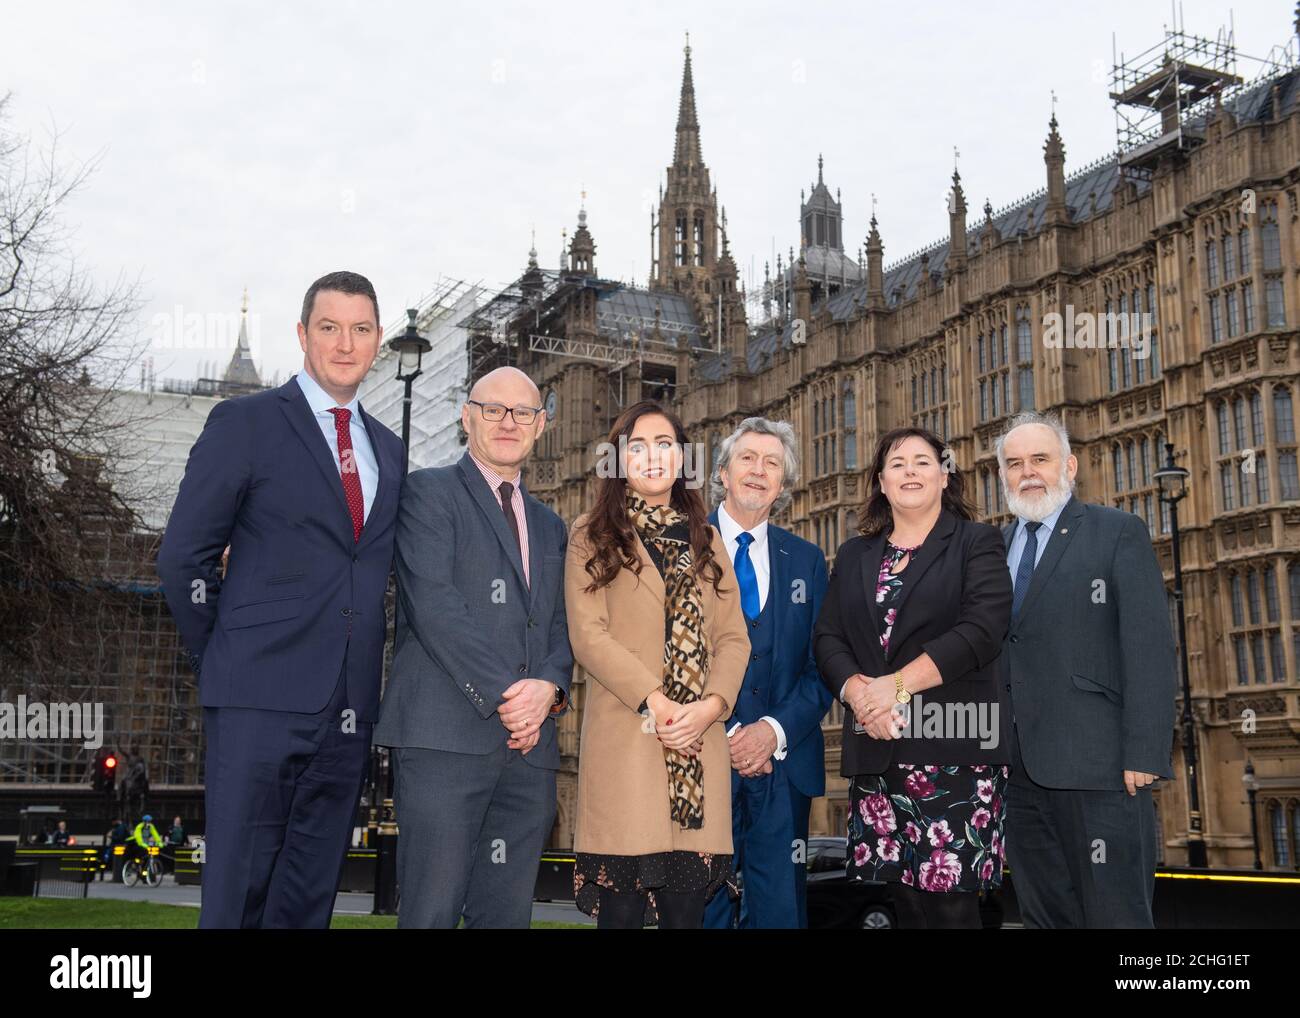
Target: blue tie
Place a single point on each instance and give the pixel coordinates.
(1025, 571)
(745, 576)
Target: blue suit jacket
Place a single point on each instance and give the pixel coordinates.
(468, 627)
(795, 694)
(272, 634)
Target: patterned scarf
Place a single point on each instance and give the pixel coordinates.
(666, 534)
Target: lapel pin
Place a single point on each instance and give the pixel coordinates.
(1065, 530)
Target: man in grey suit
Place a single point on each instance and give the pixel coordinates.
(1089, 660)
(480, 671)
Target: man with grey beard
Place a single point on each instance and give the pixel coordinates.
(1089, 663)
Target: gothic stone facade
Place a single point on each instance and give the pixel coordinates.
(1203, 240)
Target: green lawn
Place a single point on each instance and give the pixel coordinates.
(100, 914)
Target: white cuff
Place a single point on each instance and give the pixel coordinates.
(732, 730)
(780, 736)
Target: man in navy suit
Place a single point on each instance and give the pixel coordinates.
(776, 737)
(480, 671)
(303, 485)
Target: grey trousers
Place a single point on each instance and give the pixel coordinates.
(472, 829)
(1080, 858)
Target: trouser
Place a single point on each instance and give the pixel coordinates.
(769, 829)
(1079, 858)
(281, 800)
(472, 832)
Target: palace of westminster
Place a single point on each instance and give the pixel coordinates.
(1195, 226)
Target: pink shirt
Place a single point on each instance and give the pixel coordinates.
(494, 481)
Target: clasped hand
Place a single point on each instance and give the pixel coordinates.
(525, 705)
(872, 702)
(681, 726)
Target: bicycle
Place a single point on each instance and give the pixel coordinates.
(145, 865)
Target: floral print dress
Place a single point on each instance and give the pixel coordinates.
(932, 827)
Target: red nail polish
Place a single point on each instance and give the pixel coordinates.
(669, 721)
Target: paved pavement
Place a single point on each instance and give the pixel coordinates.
(347, 903)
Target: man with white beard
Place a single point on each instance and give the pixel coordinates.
(1089, 664)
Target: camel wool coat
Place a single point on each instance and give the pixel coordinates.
(617, 635)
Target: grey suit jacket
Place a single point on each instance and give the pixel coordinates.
(468, 626)
(1089, 661)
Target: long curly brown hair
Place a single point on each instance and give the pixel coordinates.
(609, 528)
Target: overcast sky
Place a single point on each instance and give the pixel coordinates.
(262, 146)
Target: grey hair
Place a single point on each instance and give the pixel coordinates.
(759, 426)
(1032, 417)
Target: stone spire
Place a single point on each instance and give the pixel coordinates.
(1054, 156)
(956, 225)
(687, 150)
(241, 371)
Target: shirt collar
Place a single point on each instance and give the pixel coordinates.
(1049, 524)
(730, 529)
(492, 477)
(321, 401)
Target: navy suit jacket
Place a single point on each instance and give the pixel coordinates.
(468, 627)
(298, 591)
(794, 694)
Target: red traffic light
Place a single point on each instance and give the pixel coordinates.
(110, 762)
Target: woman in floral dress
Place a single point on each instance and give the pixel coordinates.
(923, 743)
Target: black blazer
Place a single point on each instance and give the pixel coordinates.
(956, 607)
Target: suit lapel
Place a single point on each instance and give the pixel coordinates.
(299, 415)
(487, 500)
(386, 465)
(1067, 525)
(532, 509)
(869, 563)
(778, 576)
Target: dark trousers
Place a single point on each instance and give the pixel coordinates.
(281, 798)
(678, 910)
(1080, 858)
(473, 829)
(769, 829)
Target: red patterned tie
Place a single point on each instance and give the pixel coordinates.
(348, 467)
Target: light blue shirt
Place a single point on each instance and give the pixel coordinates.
(1021, 535)
(363, 453)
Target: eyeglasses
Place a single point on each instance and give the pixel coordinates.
(524, 415)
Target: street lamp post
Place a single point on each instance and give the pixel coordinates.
(1173, 489)
(410, 348)
(1252, 786)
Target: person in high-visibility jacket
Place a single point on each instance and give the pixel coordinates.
(146, 833)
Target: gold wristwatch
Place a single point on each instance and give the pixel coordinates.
(901, 695)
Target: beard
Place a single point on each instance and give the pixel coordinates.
(1038, 508)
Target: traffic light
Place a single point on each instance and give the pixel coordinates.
(105, 773)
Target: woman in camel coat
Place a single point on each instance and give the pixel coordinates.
(664, 645)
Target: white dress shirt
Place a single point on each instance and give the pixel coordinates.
(758, 555)
(363, 453)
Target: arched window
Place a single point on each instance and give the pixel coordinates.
(1270, 240)
(1117, 462)
(1283, 421)
(1225, 439)
(1277, 827)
